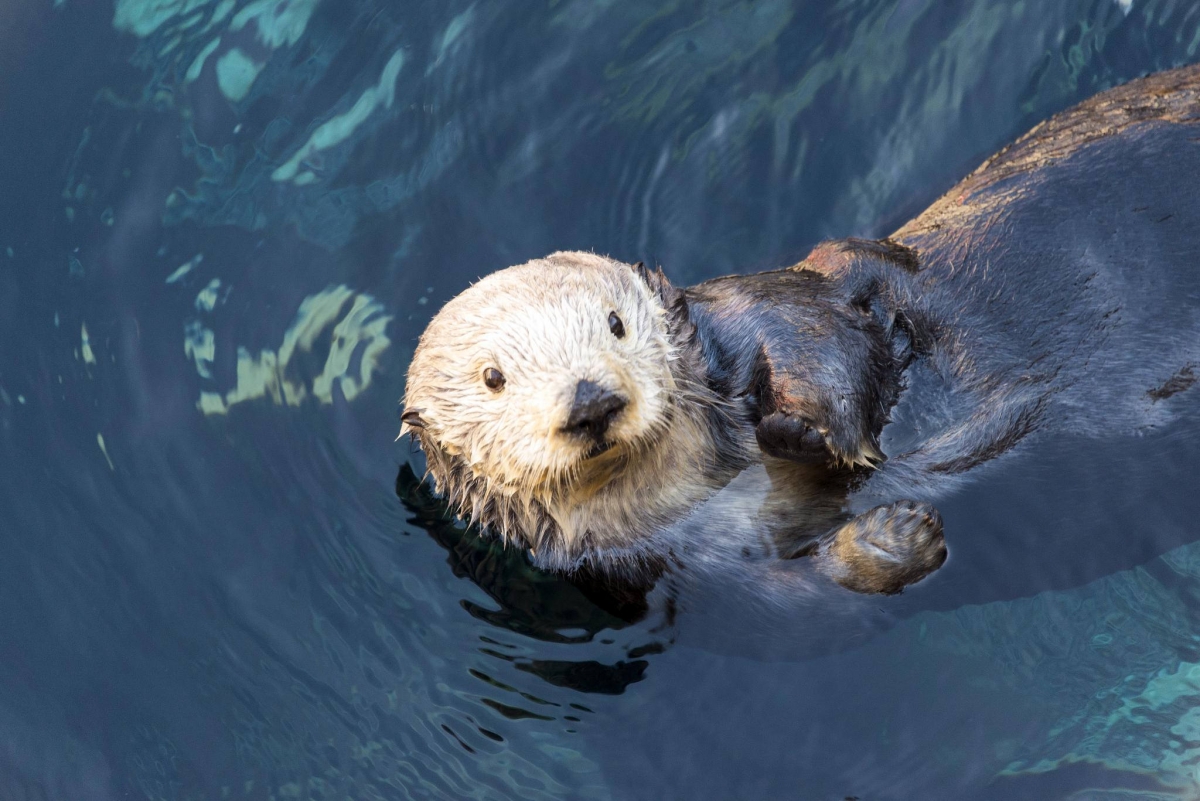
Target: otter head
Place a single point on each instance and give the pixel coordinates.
(534, 387)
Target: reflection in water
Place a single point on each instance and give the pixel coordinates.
(533, 602)
(235, 604)
(356, 344)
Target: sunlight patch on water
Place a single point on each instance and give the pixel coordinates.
(364, 323)
(358, 341)
(144, 17)
(221, 12)
(188, 52)
(236, 73)
(200, 345)
(279, 22)
(206, 299)
(104, 450)
(340, 128)
(450, 37)
(185, 268)
(85, 345)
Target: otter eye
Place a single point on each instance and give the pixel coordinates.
(616, 326)
(493, 379)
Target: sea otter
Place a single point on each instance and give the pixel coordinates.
(577, 405)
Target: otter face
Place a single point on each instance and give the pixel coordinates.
(539, 379)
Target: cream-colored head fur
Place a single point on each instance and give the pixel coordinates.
(502, 455)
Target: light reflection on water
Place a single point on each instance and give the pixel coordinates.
(209, 583)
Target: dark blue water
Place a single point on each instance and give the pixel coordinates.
(222, 225)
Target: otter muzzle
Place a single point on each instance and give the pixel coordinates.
(592, 411)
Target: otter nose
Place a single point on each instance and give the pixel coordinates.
(593, 410)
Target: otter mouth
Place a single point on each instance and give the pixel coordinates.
(597, 467)
(597, 449)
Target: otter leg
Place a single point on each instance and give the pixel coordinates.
(885, 549)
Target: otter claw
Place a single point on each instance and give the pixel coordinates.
(887, 548)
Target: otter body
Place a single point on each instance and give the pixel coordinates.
(1057, 287)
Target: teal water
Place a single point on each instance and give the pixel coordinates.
(223, 223)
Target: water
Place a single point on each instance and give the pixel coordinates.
(222, 226)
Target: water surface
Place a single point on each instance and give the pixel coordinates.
(223, 223)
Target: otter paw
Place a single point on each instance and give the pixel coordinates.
(887, 548)
(790, 437)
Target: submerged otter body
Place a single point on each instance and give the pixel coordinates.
(1056, 288)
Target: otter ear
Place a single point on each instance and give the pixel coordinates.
(658, 283)
(680, 327)
(647, 277)
(411, 419)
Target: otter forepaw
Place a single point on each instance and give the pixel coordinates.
(797, 439)
(787, 436)
(887, 548)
